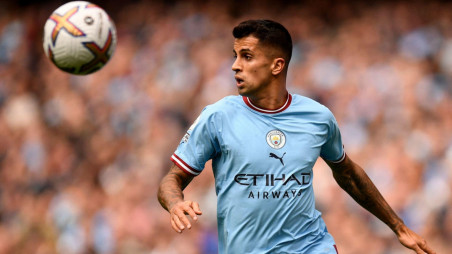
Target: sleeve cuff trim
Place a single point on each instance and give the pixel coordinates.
(184, 166)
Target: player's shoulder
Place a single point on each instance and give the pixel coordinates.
(226, 105)
(308, 105)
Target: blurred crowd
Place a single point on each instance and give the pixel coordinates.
(81, 156)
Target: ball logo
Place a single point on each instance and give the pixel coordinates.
(62, 22)
(276, 139)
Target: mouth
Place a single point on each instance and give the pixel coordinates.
(239, 81)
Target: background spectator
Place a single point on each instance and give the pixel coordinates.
(81, 156)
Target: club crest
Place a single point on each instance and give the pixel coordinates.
(276, 139)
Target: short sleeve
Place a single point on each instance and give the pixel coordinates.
(198, 145)
(333, 149)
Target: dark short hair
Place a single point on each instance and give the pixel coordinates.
(269, 33)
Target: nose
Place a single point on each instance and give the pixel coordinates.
(236, 66)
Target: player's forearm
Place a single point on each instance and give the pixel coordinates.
(171, 187)
(358, 185)
(170, 192)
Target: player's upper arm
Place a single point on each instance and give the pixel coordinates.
(332, 150)
(200, 143)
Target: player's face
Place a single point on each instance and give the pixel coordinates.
(252, 66)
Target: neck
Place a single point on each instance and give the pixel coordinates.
(270, 100)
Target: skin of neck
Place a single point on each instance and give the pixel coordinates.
(274, 96)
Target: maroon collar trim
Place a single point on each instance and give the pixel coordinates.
(268, 111)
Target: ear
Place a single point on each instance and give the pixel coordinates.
(278, 66)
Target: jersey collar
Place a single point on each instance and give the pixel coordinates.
(268, 111)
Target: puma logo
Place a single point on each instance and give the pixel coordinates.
(277, 157)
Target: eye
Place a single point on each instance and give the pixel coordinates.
(248, 56)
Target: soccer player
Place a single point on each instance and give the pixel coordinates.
(263, 145)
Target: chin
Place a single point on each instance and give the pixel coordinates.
(243, 92)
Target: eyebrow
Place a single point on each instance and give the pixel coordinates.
(245, 50)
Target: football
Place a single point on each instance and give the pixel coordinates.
(79, 37)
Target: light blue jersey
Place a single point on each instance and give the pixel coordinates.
(262, 161)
